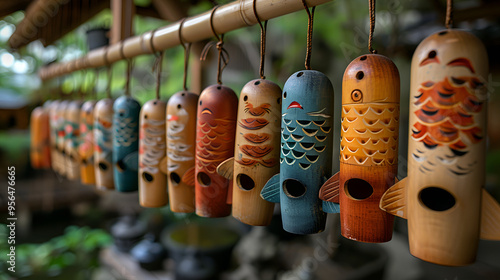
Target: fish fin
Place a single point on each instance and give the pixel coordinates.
(229, 199)
(394, 199)
(331, 207)
(226, 168)
(131, 161)
(271, 191)
(490, 217)
(330, 190)
(164, 165)
(188, 177)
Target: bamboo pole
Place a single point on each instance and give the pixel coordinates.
(229, 17)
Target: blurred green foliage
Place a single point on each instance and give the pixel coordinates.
(73, 255)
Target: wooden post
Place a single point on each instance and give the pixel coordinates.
(123, 12)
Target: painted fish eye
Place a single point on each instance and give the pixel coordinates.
(179, 106)
(245, 98)
(284, 95)
(356, 95)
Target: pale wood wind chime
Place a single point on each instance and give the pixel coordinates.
(214, 155)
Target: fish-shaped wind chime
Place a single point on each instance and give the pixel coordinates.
(72, 139)
(256, 153)
(368, 148)
(152, 182)
(215, 133)
(126, 111)
(306, 149)
(103, 144)
(40, 148)
(181, 145)
(443, 197)
(86, 147)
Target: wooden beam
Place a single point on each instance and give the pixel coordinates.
(226, 18)
(123, 12)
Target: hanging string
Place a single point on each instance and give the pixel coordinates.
(223, 57)
(263, 29)
(129, 69)
(187, 50)
(449, 14)
(310, 15)
(110, 73)
(157, 65)
(371, 4)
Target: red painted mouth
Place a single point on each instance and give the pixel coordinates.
(295, 104)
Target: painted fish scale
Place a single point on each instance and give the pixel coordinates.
(126, 111)
(215, 136)
(306, 150)
(369, 134)
(181, 135)
(152, 146)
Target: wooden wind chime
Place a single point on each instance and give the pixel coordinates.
(181, 136)
(152, 145)
(214, 155)
(443, 197)
(368, 147)
(215, 136)
(256, 157)
(306, 149)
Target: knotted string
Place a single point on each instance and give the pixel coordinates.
(223, 57)
(157, 67)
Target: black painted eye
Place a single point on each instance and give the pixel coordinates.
(179, 106)
(200, 102)
(245, 98)
(284, 95)
(432, 54)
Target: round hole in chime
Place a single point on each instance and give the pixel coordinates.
(443, 33)
(183, 94)
(257, 83)
(364, 57)
(147, 177)
(300, 74)
(121, 166)
(293, 188)
(360, 75)
(145, 116)
(245, 182)
(122, 115)
(245, 98)
(219, 87)
(358, 189)
(204, 179)
(103, 166)
(436, 199)
(175, 178)
(154, 103)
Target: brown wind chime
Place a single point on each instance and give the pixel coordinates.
(214, 155)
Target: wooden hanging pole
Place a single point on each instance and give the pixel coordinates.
(229, 17)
